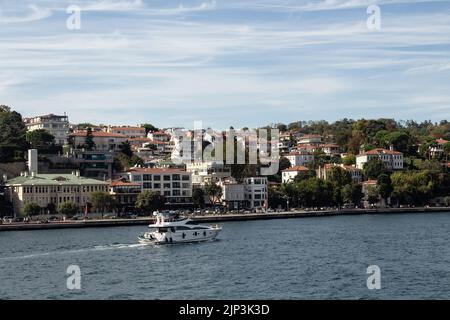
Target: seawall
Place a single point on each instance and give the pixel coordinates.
(215, 218)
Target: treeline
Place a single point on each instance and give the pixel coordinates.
(15, 140)
(351, 135)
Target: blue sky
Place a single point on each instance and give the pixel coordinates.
(226, 62)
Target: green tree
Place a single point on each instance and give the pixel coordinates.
(374, 168)
(125, 148)
(42, 140)
(352, 193)
(373, 194)
(384, 184)
(102, 202)
(349, 160)
(13, 142)
(31, 209)
(213, 191)
(89, 143)
(198, 197)
(69, 209)
(149, 201)
(149, 128)
(446, 148)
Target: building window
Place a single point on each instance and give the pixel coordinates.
(147, 177)
(147, 185)
(185, 177)
(166, 178)
(167, 193)
(176, 185)
(157, 178)
(157, 186)
(166, 185)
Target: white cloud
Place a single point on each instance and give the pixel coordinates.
(34, 13)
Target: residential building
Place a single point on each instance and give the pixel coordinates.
(125, 194)
(256, 192)
(174, 184)
(94, 164)
(50, 190)
(331, 149)
(130, 132)
(289, 174)
(233, 194)
(159, 136)
(310, 139)
(355, 173)
(300, 158)
(57, 126)
(207, 171)
(393, 160)
(438, 149)
(104, 141)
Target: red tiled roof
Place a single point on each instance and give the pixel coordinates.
(441, 141)
(123, 184)
(378, 151)
(296, 168)
(370, 182)
(140, 139)
(98, 134)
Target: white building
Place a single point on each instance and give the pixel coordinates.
(355, 173)
(57, 126)
(393, 160)
(207, 171)
(256, 192)
(310, 139)
(233, 194)
(300, 158)
(289, 174)
(174, 184)
(130, 132)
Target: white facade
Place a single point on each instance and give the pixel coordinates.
(300, 158)
(130, 132)
(289, 174)
(57, 126)
(207, 171)
(393, 160)
(256, 192)
(174, 184)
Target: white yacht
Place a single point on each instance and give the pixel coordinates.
(170, 230)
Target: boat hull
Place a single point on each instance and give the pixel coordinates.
(179, 237)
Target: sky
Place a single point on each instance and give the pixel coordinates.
(225, 62)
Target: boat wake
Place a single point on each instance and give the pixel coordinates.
(113, 246)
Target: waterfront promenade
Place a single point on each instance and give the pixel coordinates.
(98, 223)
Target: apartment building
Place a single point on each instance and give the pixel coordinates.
(130, 132)
(355, 173)
(300, 158)
(174, 184)
(256, 192)
(104, 141)
(57, 126)
(205, 171)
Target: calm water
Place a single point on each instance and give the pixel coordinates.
(275, 259)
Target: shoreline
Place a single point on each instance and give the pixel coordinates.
(215, 218)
